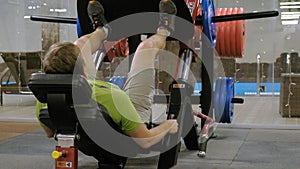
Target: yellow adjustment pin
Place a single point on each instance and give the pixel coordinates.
(56, 154)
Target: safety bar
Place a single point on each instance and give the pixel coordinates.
(55, 19)
(223, 18)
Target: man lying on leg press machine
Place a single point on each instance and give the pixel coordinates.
(136, 98)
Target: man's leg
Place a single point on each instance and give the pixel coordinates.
(90, 43)
(147, 50)
(141, 78)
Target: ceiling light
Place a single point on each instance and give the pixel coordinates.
(58, 10)
(289, 17)
(290, 22)
(289, 7)
(290, 13)
(289, 3)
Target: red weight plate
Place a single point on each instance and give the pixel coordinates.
(222, 34)
(199, 12)
(228, 37)
(197, 37)
(233, 34)
(218, 13)
(198, 30)
(222, 41)
(108, 45)
(240, 35)
(193, 6)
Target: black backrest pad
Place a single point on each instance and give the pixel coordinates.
(56, 91)
(42, 84)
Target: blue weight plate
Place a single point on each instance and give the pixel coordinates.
(209, 28)
(230, 95)
(228, 106)
(223, 96)
(217, 107)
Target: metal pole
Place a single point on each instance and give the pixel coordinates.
(185, 64)
(258, 75)
(288, 63)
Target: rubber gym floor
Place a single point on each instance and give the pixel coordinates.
(258, 138)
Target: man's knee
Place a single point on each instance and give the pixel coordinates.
(155, 41)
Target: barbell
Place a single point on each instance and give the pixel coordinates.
(232, 33)
(224, 27)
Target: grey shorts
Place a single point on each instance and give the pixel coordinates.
(139, 86)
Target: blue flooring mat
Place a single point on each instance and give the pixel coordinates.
(243, 88)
